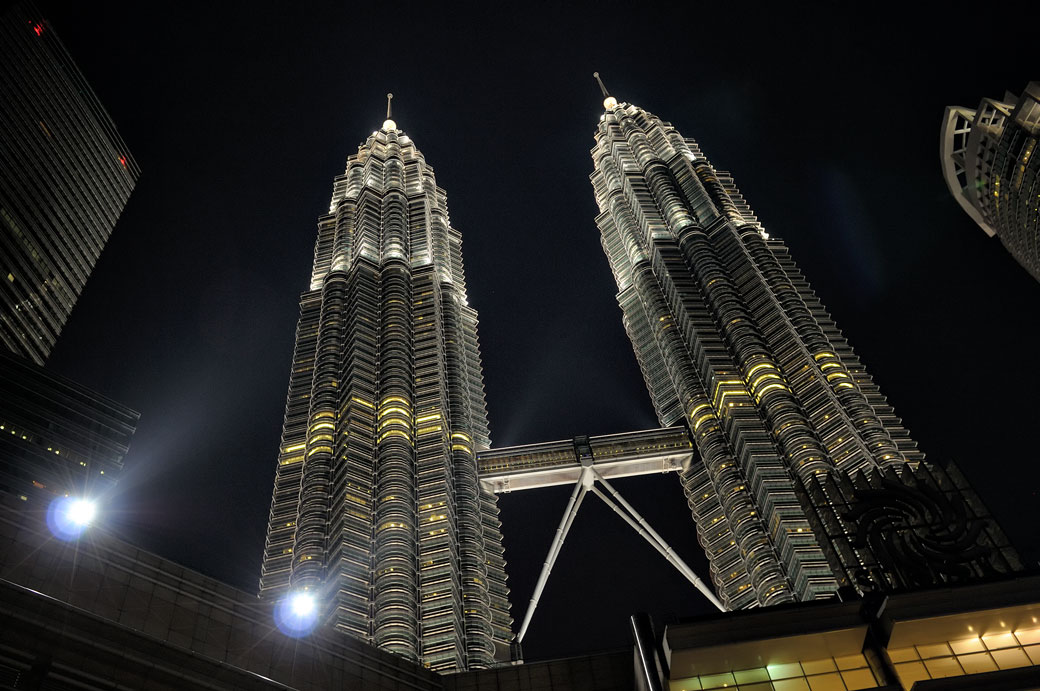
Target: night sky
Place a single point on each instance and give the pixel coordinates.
(240, 116)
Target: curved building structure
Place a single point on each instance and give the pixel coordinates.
(734, 344)
(377, 508)
(992, 168)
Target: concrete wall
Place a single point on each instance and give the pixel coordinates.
(102, 609)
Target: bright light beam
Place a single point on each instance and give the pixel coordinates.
(302, 604)
(82, 512)
(297, 614)
(68, 517)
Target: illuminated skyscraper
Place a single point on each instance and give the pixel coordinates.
(992, 168)
(805, 481)
(376, 507)
(65, 176)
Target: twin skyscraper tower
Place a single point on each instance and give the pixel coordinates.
(802, 482)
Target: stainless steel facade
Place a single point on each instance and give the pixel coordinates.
(734, 344)
(65, 176)
(992, 168)
(377, 507)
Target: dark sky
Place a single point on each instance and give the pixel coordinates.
(240, 116)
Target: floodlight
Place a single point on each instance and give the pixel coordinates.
(68, 517)
(297, 613)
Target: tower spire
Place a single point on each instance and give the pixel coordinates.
(608, 100)
(389, 124)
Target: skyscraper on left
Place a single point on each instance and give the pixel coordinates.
(377, 511)
(65, 176)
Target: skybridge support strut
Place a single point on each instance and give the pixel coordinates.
(587, 483)
(656, 541)
(581, 487)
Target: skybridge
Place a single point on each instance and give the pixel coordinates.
(531, 466)
(589, 463)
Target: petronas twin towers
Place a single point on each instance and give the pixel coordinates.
(378, 508)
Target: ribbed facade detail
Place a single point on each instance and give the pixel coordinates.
(65, 176)
(992, 168)
(376, 503)
(733, 343)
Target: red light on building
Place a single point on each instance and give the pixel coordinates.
(122, 159)
(38, 29)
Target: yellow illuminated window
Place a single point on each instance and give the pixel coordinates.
(903, 654)
(851, 661)
(858, 679)
(943, 667)
(796, 684)
(911, 672)
(939, 650)
(968, 645)
(1033, 652)
(1010, 658)
(716, 681)
(394, 433)
(749, 676)
(826, 682)
(1000, 640)
(1028, 637)
(784, 671)
(977, 663)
